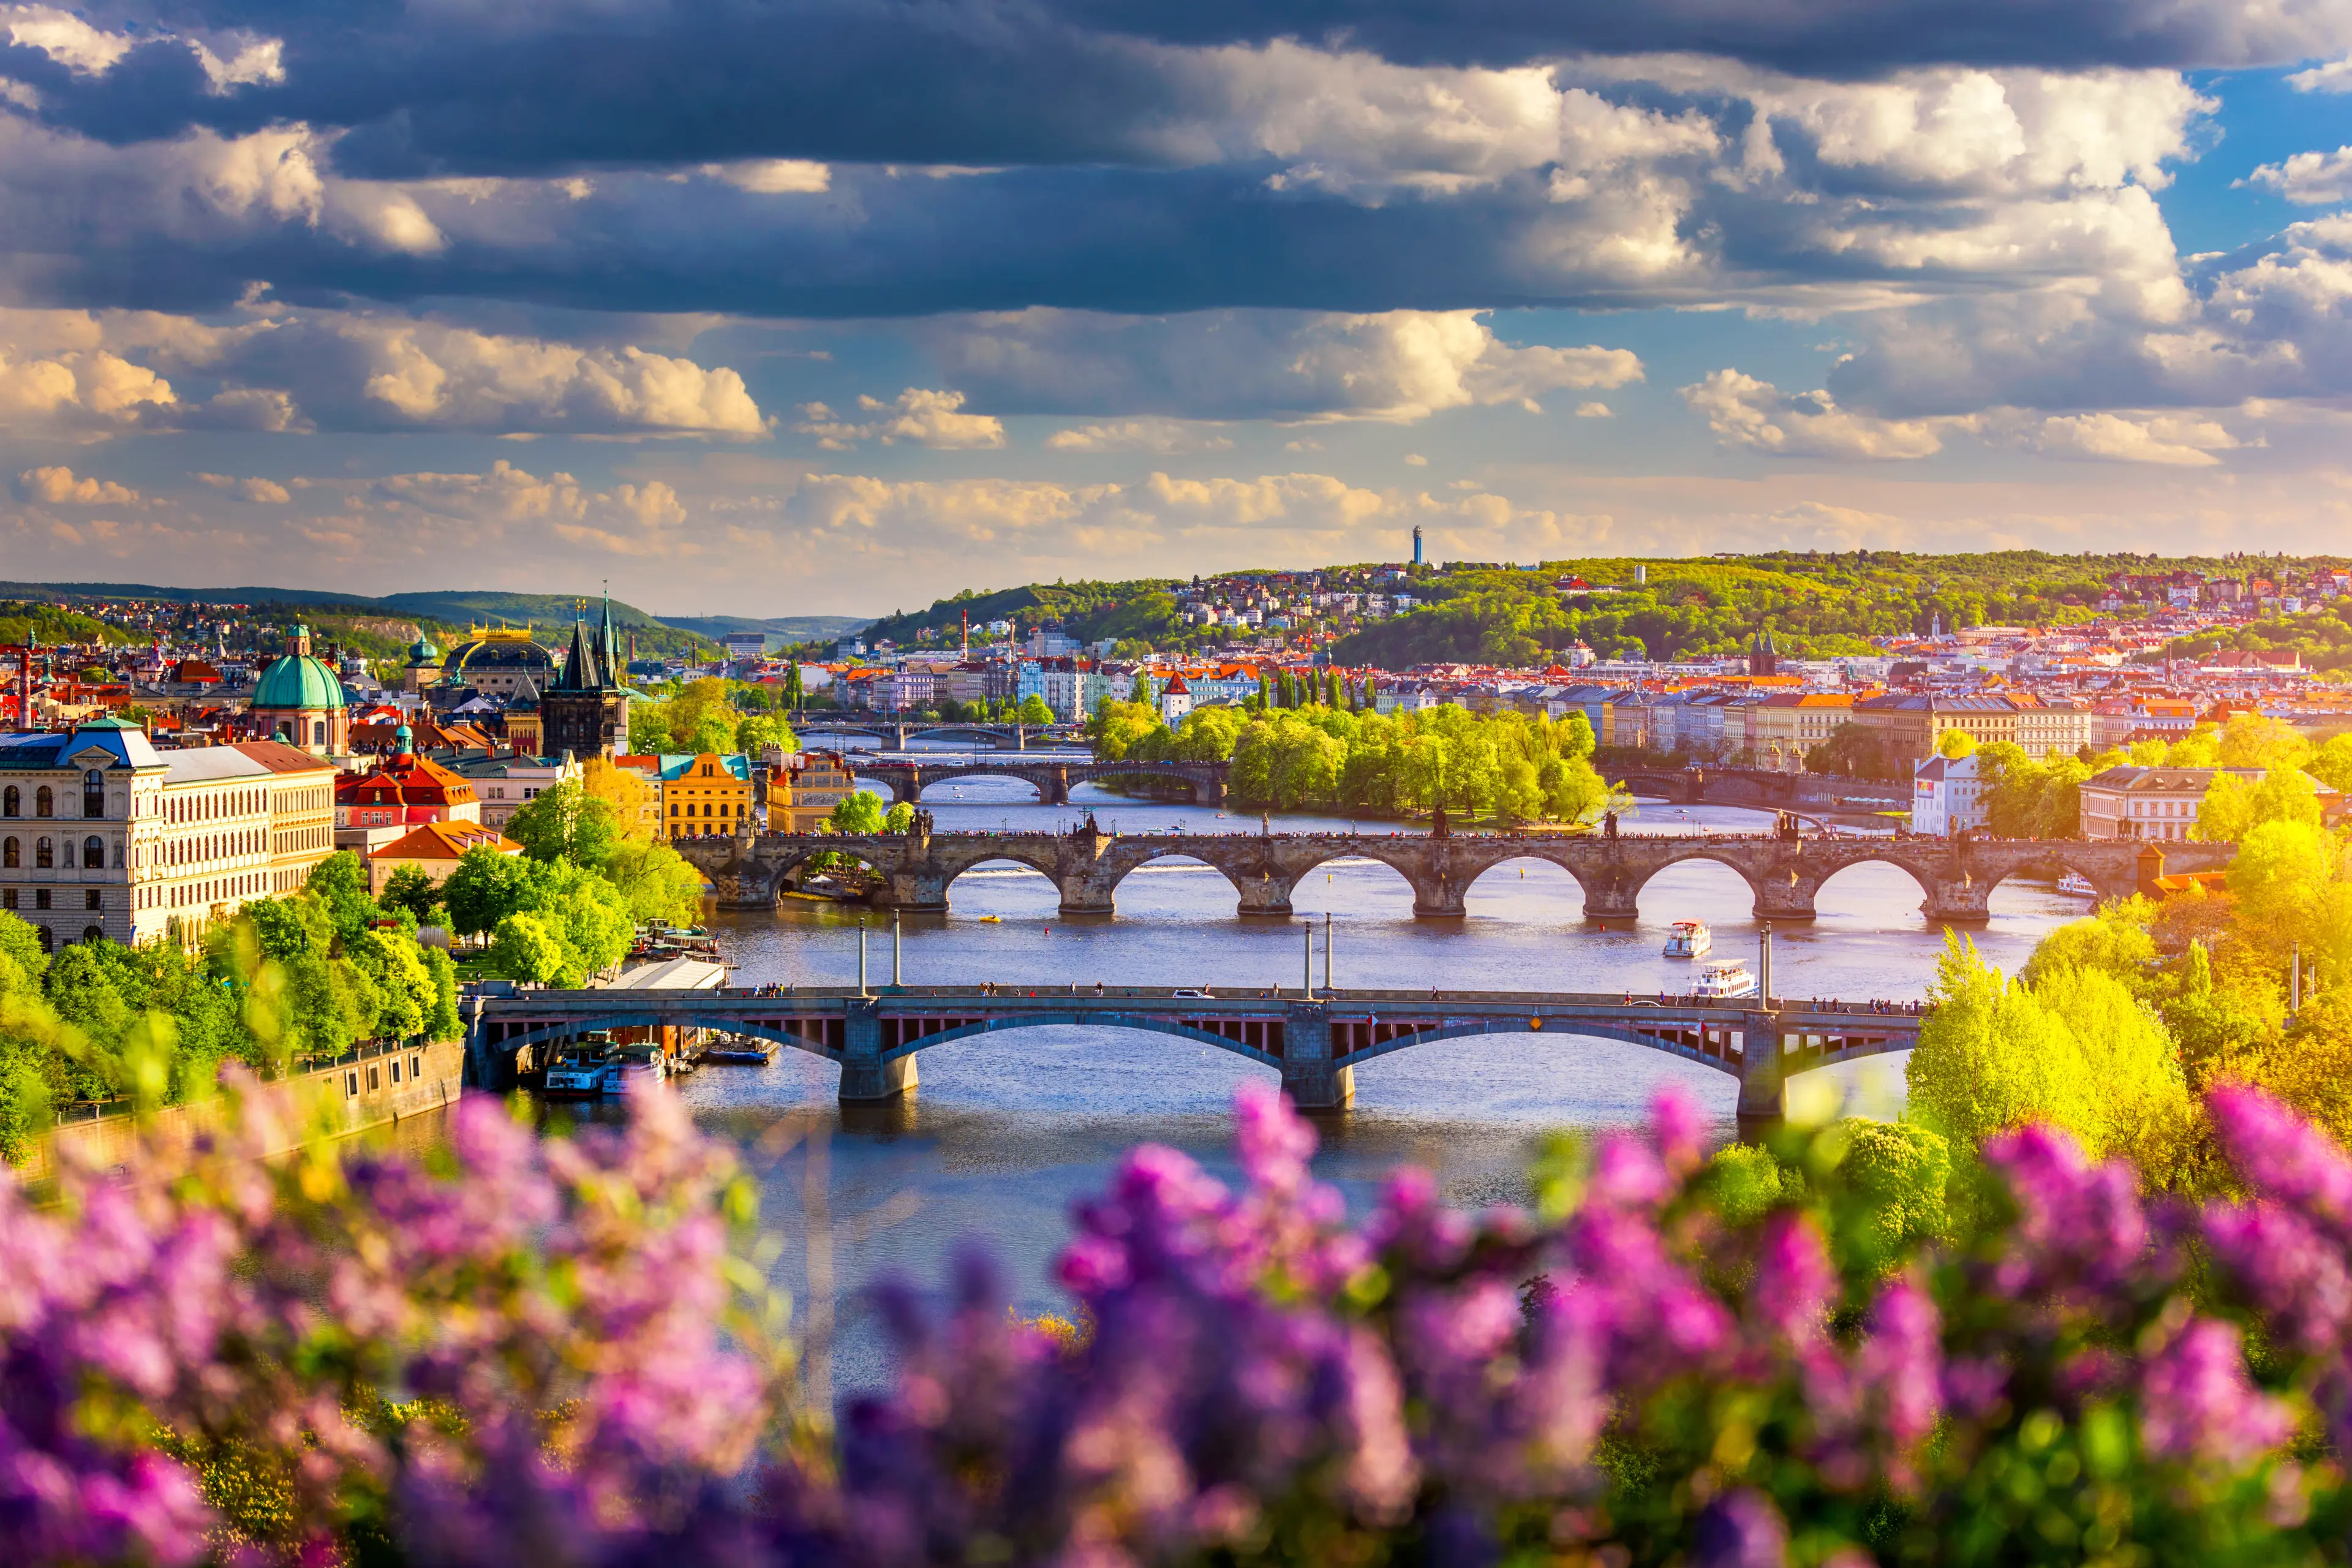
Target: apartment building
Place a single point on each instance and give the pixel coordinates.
(804, 788)
(706, 794)
(1908, 729)
(2148, 802)
(2051, 727)
(103, 836)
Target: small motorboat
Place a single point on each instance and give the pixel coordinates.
(1689, 939)
(741, 1050)
(992, 920)
(1724, 979)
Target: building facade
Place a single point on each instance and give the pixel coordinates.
(102, 837)
(804, 788)
(493, 660)
(706, 794)
(2148, 802)
(1947, 797)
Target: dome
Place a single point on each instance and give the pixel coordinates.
(422, 651)
(299, 681)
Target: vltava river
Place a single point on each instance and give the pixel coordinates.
(1007, 1129)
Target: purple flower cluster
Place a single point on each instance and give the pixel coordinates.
(529, 1349)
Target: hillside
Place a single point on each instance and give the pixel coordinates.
(780, 629)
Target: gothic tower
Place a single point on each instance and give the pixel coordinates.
(585, 710)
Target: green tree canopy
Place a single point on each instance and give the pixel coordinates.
(564, 822)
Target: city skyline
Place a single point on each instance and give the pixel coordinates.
(833, 310)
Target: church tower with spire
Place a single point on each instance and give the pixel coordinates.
(585, 710)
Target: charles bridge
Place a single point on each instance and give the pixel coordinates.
(1315, 1038)
(1052, 780)
(898, 731)
(1784, 869)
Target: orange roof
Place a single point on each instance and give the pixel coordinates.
(405, 780)
(446, 841)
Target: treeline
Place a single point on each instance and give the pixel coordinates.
(22, 622)
(302, 976)
(1327, 756)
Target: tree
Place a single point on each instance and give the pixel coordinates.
(525, 950)
(761, 730)
(1033, 711)
(1955, 744)
(565, 822)
(2234, 805)
(1991, 1056)
(340, 883)
(413, 888)
(20, 952)
(899, 818)
(623, 789)
(2256, 740)
(484, 890)
(858, 812)
(656, 882)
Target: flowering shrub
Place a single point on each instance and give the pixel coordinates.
(528, 1350)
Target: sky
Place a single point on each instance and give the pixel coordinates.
(809, 307)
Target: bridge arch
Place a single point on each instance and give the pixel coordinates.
(1518, 1026)
(1702, 853)
(1143, 1022)
(982, 770)
(1903, 863)
(1493, 881)
(1124, 867)
(729, 1024)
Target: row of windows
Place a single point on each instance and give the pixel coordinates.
(415, 1073)
(215, 806)
(708, 809)
(91, 898)
(44, 853)
(45, 799)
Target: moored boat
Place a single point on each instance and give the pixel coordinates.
(2079, 884)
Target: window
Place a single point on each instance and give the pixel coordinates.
(93, 851)
(49, 942)
(44, 855)
(11, 802)
(8, 898)
(415, 1068)
(93, 794)
(12, 854)
(374, 1082)
(117, 854)
(40, 897)
(395, 1070)
(44, 803)
(91, 898)
(92, 934)
(351, 1083)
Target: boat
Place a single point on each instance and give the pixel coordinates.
(992, 920)
(1690, 939)
(741, 1050)
(577, 1071)
(1724, 980)
(633, 1067)
(2079, 884)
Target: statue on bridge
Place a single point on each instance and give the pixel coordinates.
(1608, 826)
(1438, 827)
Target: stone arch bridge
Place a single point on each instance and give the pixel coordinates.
(898, 732)
(1955, 877)
(1315, 1041)
(907, 780)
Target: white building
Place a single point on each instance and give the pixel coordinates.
(1947, 796)
(1175, 700)
(742, 646)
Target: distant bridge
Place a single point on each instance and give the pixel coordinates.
(1956, 877)
(1315, 1041)
(907, 780)
(898, 732)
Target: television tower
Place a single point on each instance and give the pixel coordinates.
(1416, 545)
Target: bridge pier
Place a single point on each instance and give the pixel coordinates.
(1958, 901)
(917, 891)
(1763, 1086)
(1312, 1079)
(1777, 900)
(865, 1077)
(1055, 786)
(1086, 893)
(1265, 896)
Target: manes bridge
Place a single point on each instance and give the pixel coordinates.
(1785, 871)
(1315, 1041)
(898, 732)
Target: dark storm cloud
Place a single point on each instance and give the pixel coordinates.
(514, 89)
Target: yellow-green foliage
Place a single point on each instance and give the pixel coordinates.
(1897, 1172)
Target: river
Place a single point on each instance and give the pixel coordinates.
(1007, 1129)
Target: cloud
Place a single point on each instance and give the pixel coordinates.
(927, 418)
(88, 374)
(2313, 179)
(2166, 439)
(773, 176)
(1399, 367)
(267, 491)
(1594, 411)
(2335, 76)
(60, 487)
(1744, 412)
(1163, 435)
(1415, 459)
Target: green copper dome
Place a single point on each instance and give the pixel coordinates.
(422, 651)
(299, 681)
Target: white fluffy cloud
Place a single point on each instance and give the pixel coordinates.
(267, 492)
(1744, 412)
(2335, 76)
(2313, 179)
(61, 487)
(429, 374)
(2168, 439)
(925, 418)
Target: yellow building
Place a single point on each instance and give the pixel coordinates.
(706, 794)
(805, 788)
(1782, 728)
(1909, 729)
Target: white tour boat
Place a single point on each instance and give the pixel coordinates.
(2079, 884)
(1690, 939)
(1723, 980)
